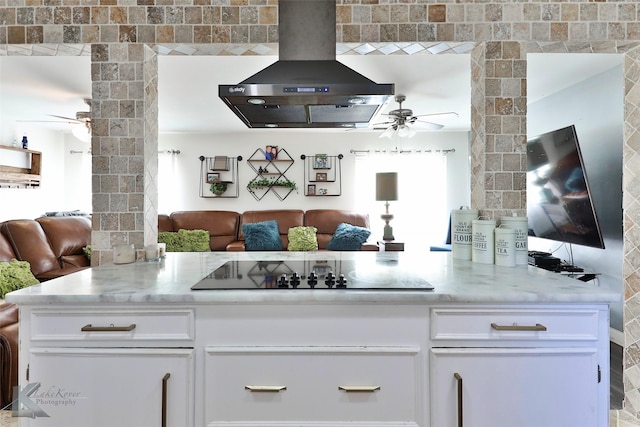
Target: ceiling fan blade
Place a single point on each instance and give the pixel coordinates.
(67, 118)
(439, 116)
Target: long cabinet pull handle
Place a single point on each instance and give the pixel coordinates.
(537, 328)
(110, 328)
(359, 388)
(165, 380)
(458, 378)
(265, 388)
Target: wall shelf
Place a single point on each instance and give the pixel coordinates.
(322, 175)
(270, 175)
(21, 176)
(219, 170)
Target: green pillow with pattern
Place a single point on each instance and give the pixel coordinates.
(185, 240)
(302, 239)
(15, 275)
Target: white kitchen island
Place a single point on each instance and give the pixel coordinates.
(133, 345)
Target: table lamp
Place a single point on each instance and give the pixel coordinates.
(387, 189)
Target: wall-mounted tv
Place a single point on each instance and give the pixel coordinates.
(559, 204)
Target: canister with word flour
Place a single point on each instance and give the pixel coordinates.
(461, 222)
(482, 241)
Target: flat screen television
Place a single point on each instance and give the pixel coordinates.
(559, 203)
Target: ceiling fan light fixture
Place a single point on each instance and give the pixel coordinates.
(405, 131)
(388, 133)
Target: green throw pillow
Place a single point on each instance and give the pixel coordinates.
(302, 239)
(15, 275)
(185, 240)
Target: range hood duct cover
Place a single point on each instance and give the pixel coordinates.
(307, 87)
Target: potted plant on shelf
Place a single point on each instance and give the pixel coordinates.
(218, 188)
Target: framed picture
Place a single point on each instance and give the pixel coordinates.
(322, 191)
(321, 162)
(321, 176)
(311, 190)
(213, 177)
(271, 152)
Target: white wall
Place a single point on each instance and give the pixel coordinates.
(64, 186)
(595, 107)
(179, 188)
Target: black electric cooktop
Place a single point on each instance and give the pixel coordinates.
(313, 274)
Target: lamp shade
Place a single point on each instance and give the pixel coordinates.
(386, 186)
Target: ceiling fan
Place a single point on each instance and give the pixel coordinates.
(402, 120)
(82, 118)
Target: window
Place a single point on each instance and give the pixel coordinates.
(421, 217)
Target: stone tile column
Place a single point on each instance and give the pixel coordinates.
(124, 147)
(498, 128)
(631, 231)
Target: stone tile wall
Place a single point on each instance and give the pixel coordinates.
(124, 111)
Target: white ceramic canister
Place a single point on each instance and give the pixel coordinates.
(483, 238)
(505, 246)
(461, 224)
(521, 226)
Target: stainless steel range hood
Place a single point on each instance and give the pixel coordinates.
(307, 87)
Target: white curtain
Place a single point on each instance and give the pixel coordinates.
(421, 218)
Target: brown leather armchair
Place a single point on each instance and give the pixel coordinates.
(8, 352)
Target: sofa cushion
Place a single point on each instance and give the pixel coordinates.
(30, 244)
(327, 220)
(286, 219)
(302, 239)
(221, 225)
(6, 251)
(348, 237)
(185, 240)
(68, 236)
(15, 275)
(262, 236)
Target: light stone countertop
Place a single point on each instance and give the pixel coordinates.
(170, 281)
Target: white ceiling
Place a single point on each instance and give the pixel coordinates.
(33, 88)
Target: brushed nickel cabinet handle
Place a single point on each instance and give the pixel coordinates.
(458, 378)
(537, 328)
(265, 388)
(110, 328)
(165, 379)
(359, 388)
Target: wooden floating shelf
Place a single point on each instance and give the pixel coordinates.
(11, 176)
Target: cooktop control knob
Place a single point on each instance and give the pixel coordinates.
(342, 282)
(312, 280)
(295, 280)
(330, 280)
(282, 283)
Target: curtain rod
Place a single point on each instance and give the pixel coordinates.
(445, 151)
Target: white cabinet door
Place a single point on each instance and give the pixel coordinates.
(112, 387)
(524, 387)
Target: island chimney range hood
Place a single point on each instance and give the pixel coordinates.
(307, 87)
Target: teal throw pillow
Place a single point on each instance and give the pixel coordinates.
(15, 275)
(262, 236)
(348, 237)
(302, 239)
(185, 240)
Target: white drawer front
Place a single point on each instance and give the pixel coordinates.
(327, 384)
(514, 324)
(113, 326)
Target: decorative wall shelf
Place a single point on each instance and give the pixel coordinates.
(322, 175)
(16, 176)
(221, 173)
(270, 174)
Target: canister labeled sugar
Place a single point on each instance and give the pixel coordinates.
(461, 227)
(505, 251)
(482, 243)
(521, 226)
